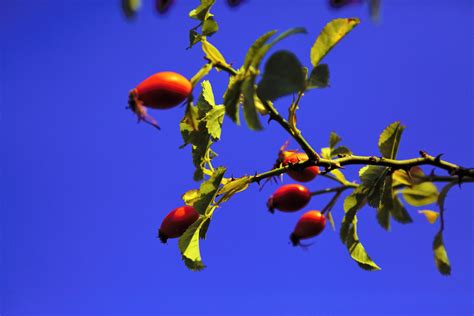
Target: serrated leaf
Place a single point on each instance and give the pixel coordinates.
(232, 97)
(334, 139)
(214, 119)
(232, 187)
(202, 11)
(283, 75)
(209, 27)
(421, 194)
(352, 204)
(331, 34)
(213, 54)
(431, 216)
(357, 250)
(208, 191)
(204, 71)
(399, 212)
(189, 124)
(372, 177)
(250, 110)
(319, 77)
(440, 254)
(341, 150)
(189, 245)
(385, 204)
(389, 140)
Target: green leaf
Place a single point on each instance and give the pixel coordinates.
(213, 54)
(232, 97)
(202, 11)
(208, 191)
(372, 177)
(189, 245)
(209, 27)
(421, 194)
(232, 187)
(389, 140)
(442, 196)
(440, 255)
(256, 46)
(399, 212)
(339, 176)
(319, 77)
(283, 75)
(334, 139)
(189, 124)
(194, 38)
(331, 34)
(214, 119)
(204, 71)
(401, 177)
(250, 110)
(357, 250)
(341, 150)
(352, 204)
(326, 152)
(348, 231)
(130, 8)
(262, 51)
(385, 204)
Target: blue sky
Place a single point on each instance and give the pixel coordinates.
(84, 188)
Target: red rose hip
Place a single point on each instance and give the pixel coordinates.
(162, 90)
(289, 198)
(304, 175)
(310, 224)
(176, 222)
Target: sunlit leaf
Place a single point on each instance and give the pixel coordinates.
(331, 34)
(232, 187)
(190, 197)
(283, 75)
(389, 140)
(401, 177)
(326, 152)
(208, 191)
(339, 176)
(352, 204)
(372, 177)
(431, 216)
(189, 245)
(256, 46)
(385, 204)
(214, 119)
(421, 194)
(213, 54)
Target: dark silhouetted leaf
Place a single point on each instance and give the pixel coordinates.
(440, 254)
(250, 111)
(334, 139)
(209, 27)
(130, 8)
(319, 77)
(283, 75)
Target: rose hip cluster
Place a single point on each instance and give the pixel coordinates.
(165, 90)
(294, 197)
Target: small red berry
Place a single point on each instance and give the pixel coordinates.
(176, 222)
(305, 175)
(289, 198)
(163, 90)
(310, 224)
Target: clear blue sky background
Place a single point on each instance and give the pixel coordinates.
(84, 188)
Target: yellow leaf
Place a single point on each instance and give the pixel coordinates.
(431, 216)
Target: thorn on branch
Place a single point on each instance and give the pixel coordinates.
(373, 158)
(423, 154)
(438, 158)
